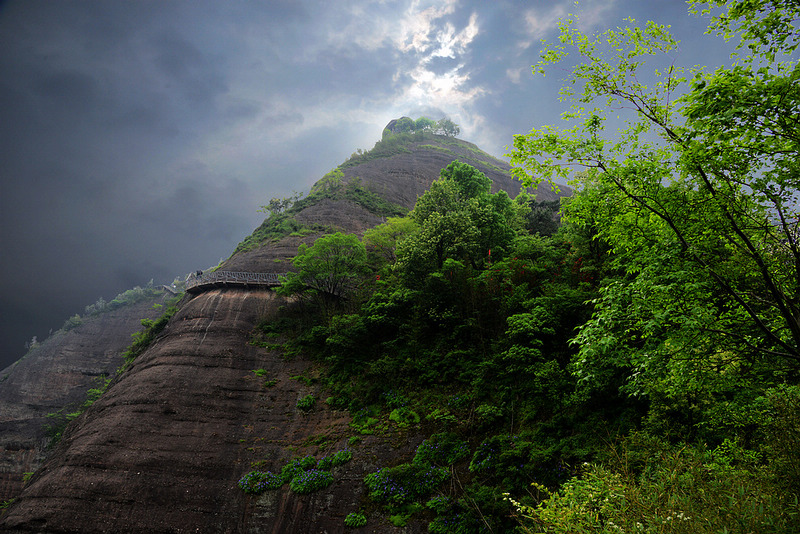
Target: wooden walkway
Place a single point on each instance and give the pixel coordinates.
(202, 281)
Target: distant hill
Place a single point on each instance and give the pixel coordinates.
(54, 376)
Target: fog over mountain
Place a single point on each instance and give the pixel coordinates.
(138, 139)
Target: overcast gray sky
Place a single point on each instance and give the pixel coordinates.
(138, 138)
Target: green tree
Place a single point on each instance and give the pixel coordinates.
(448, 127)
(459, 219)
(471, 183)
(403, 125)
(381, 241)
(331, 181)
(424, 124)
(279, 205)
(328, 271)
(699, 198)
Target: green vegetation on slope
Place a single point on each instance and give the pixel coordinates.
(388, 146)
(463, 328)
(304, 475)
(407, 142)
(281, 221)
(126, 298)
(460, 323)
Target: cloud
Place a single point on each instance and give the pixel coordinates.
(154, 130)
(515, 75)
(435, 71)
(540, 23)
(417, 26)
(373, 61)
(414, 41)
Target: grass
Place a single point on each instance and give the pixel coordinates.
(280, 225)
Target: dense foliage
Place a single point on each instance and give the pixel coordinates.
(458, 318)
(443, 126)
(628, 371)
(636, 369)
(304, 475)
(696, 200)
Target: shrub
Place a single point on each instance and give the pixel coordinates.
(341, 457)
(394, 400)
(355, 520)
(304, 475)
(306, 403)
(441, 449)
(481, 509)
(780, 422)
(72, 322)
(311, 481)
(675, 489)
(256, 482)
(325, 464)
(404, 417)
(142, 340)
(297, 466)
(404, 483)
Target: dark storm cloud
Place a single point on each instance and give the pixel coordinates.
(138, 139)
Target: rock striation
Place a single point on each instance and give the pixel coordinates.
(55, 376)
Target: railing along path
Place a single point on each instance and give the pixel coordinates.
(198, 282)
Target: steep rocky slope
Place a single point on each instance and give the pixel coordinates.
(55, 375)
(163, 449)
(399, 174)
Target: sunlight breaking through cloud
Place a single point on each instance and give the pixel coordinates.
(426, 37)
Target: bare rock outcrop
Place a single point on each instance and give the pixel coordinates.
(56, 375)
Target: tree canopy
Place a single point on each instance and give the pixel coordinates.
(407, 125)
(458, 218)
(700, 190)
(327, 271)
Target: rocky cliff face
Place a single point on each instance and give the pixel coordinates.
(163, 449)
(55, 375)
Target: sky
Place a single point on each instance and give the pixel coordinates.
(139, 138)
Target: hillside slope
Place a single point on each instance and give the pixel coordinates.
(398, 170)
(55, 376)
(164, 448)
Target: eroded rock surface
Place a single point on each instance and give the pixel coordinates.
(404, 177)
(56, 375)
(163, 449)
